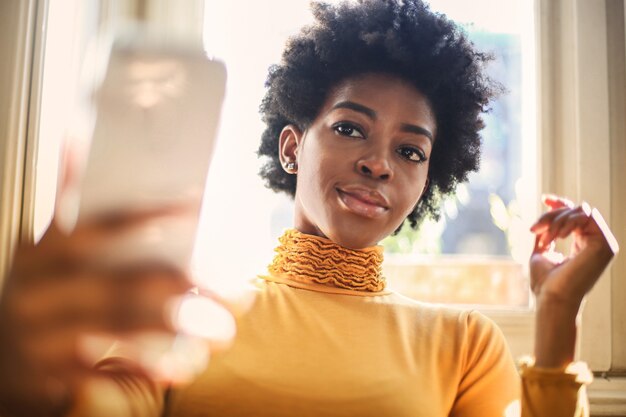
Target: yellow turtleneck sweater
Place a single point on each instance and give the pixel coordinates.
(324, 338)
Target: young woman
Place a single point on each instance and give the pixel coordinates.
(372, 115)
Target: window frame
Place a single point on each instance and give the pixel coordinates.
(582, 93)
(22, 37)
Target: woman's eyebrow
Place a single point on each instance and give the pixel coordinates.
(418, 130)
(356, 107)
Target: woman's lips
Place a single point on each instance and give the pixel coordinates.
(359, 206)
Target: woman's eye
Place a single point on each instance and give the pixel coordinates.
(412, 154)
(347, 129)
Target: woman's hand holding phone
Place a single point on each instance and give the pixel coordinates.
(60, 296)
(115, 266)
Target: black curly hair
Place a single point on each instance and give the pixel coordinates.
(403, 38)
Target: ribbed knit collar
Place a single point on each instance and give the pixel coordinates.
(310, 259)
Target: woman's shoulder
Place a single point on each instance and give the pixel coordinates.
(463, 319)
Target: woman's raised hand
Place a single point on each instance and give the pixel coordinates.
(560, 282)
(569, 278)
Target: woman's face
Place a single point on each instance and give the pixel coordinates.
(362, 165)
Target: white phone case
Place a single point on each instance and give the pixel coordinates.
(157, 115)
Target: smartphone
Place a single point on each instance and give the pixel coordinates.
(157, 113)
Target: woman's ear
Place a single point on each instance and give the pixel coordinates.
(288, 145)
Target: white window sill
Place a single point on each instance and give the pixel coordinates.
(607, 396)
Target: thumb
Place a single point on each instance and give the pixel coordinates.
(542, 262)
(540, 266)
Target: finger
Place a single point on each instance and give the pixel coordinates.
(576, 221)
(60, 253)
(544, 221)
(52, 352)
(118, 221)
(95, 302)
(543, 244)
(114, 222)
(79, 290)
(540, 266)
(46, 257)
(577, 217)
(127, 231)
(551, 224)
(31, 264)
(142, 305)
(554, 201)
(556, 206)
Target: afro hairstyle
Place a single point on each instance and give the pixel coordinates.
(401, 38)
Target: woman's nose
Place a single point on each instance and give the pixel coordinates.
(375, 167)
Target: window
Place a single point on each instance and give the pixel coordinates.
(506, 32)
(477, 253)
(497, 281)
(467, 228)
(69, 29)
(20, 55)
(582, 155)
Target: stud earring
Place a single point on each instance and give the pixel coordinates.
(290, 167)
